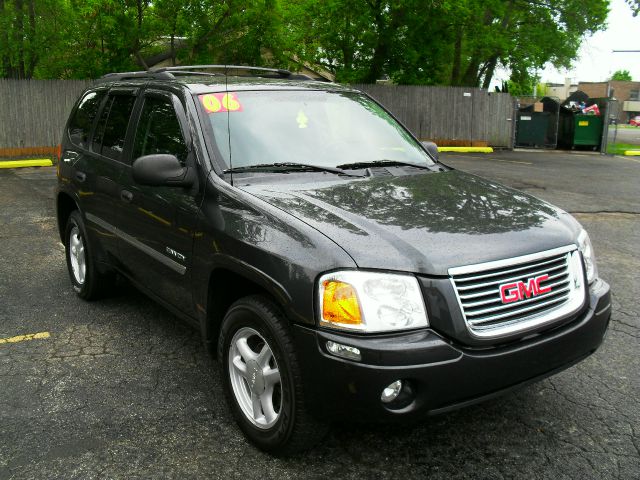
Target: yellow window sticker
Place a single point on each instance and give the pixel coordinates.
(221, 102)
(302, 119)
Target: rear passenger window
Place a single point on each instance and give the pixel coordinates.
(159, 131)
(112, 126)
(82, 121)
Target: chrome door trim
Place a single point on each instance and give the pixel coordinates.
(166, 261)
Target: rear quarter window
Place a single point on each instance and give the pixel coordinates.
(83, 117)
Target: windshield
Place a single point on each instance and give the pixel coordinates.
(312, 127)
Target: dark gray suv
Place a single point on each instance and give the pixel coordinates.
(333, 265)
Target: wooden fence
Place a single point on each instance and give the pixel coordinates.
(33, 113)
(453, 116)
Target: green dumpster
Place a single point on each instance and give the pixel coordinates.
(588, 130)
(531, 129)
(579, 130)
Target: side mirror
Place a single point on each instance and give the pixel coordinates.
(162, 170)
(432, 148)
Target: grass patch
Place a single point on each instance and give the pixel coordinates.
(620, 148)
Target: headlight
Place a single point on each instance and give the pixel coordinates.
(584, 245)
(370, 301)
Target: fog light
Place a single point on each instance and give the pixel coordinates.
(344, 351)
(390, 393)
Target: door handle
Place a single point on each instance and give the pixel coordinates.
(81, 176)
(69, 156)
(126, 195)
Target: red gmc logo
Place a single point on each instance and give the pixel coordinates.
(512, 292)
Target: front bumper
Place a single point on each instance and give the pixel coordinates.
(442, 375)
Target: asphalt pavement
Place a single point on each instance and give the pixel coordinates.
(120, 388)
(629, 135)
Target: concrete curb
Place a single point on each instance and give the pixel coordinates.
(466, 149)
(39, 162)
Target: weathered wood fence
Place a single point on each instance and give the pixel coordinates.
(454, 116)
(33, 113)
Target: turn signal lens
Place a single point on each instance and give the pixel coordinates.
(371, 302)
(340, 303)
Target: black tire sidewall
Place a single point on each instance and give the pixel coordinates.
(245, 314)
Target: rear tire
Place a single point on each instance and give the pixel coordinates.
(262, 380)
(86, 280)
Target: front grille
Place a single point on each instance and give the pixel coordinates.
(478, 287)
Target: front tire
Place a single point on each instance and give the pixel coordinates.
(262, 379)
(86, 280)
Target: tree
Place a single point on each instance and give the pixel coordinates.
(434, 42)
(28, 30)
(449, 42)
(622, 75)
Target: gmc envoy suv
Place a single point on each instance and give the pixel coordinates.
(333, 265)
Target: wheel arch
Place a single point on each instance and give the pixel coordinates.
(226, 285)
(65, 204)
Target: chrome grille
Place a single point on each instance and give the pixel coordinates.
(486, 315)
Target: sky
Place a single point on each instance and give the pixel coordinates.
(596, 62)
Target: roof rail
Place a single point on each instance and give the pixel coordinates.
(190, 68)
(169, 73)
(112, 77)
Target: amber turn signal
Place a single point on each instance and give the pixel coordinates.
(340, 303)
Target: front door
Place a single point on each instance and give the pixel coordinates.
(157, 223)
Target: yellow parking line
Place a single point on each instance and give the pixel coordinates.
(511, 161)
(22, 338)
(40, 162)
(466, 149)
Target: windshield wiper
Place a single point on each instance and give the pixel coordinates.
(289, 166)
(385, 163)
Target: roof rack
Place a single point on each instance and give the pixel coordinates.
(111, 77)
(169, 73)
(188, 68)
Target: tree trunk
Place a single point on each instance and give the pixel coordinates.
(33, 55)
(137, 44)
(347, 45)
(5, 61)
(490, 67)
(19, 37)
(457, 53)
(384, 40)
(470, 77)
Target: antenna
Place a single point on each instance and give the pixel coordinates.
(226, 89)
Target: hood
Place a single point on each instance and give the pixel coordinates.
(423, 223)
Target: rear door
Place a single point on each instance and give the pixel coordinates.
(157, 223)
(97, 162)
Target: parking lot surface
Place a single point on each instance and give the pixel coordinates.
(120, 388)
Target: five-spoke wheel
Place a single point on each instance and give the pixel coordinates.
(255, 377)
(77, 256)
(262, 378)
(87, 280)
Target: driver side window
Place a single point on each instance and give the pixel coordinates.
(159, 131)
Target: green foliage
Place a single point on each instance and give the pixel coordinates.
(436, 42)
(622, 75)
